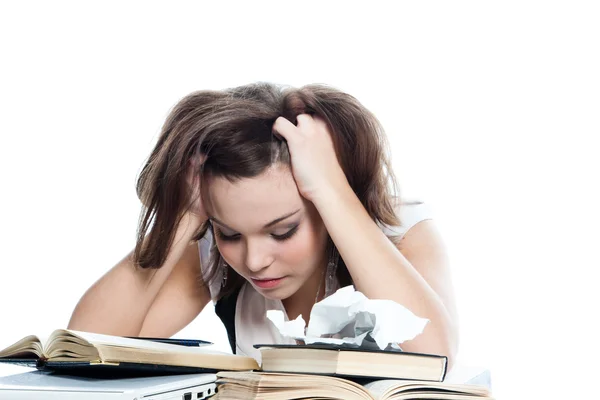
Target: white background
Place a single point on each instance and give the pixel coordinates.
(492, 110)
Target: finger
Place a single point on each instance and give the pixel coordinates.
(318, 120)
(312, 123)
(285, 128)
(305, 120)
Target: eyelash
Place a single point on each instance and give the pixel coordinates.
(279, 238)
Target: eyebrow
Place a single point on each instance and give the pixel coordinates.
(275, 221)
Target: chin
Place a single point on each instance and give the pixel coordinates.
(280, 293)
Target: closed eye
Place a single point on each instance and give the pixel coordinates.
(286, 235)
(279, 238)
(227, 238)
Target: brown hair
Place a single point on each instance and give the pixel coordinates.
(233, 128)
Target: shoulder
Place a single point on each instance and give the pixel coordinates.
(423, 246)
(410, 213)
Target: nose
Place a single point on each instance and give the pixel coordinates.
(258, 255)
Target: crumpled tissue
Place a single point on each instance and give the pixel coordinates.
(349, 318)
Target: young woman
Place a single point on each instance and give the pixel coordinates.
(267, 197)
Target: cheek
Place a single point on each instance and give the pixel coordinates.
(294, 251)
(304, 249)
(231, 252)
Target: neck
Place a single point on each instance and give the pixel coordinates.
(303, 300)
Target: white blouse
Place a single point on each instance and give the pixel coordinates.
(251, 324)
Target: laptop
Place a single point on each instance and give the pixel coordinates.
(44, 385)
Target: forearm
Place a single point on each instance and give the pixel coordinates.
(119, 302)
(380, 271)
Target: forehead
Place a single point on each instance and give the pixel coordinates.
(251, 203)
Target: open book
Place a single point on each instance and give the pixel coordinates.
(83, 351)
(326, 359)
(276, 386)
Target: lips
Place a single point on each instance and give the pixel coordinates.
(267, 283)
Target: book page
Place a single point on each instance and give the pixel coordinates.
(28, 344)
(380, 389)
(292, 386)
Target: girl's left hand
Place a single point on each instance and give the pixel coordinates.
(315, 166)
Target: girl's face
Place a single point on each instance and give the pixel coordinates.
(268, 233)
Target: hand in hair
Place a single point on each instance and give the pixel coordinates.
(315, 166)
(193, 180)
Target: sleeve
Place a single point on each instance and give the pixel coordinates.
(409, 213)
(204, 246)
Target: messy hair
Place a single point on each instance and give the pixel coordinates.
(233, 129)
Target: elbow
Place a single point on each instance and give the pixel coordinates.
(451, 353)
(443, 336)
(446, 346)
(446, 342)
(439, 340)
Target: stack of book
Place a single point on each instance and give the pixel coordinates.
(286, 371)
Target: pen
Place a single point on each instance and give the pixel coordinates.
(179, 342)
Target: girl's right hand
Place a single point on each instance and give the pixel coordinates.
(193, 180)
